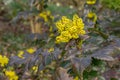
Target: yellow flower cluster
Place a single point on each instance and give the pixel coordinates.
(11, 75)
(92, 15)
(69, 29)
(3, 60)
(91, 2)
(46, 15)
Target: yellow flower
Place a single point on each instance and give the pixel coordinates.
(64, 37)
(51, 29)
(91, 2)
(76, 17)
(35, 68)
(30, 50)
(60, 26)
(20, 54)
(76, 78)
(11, 75)
(75, 36)
(51, 49)
(82, 32)
(3, 60)
(92, 15)
(60, 39)
(51, 35)
(65, 20)
(69, 29)
(46, 15)
(66, 34)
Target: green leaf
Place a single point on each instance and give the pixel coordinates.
(90, 74)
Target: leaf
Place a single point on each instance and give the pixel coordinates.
(106, 52)
(22, 15)
(61, 74)
(16, 60)
(85, 37)
(80, 64)
(41, 67)
(56, 53)
(38, 52)
(28, 60)
(37, 36)
(103, 56)
(89, 47)
(90, 74)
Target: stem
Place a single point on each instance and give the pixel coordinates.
(81, 76)
(32, 26)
